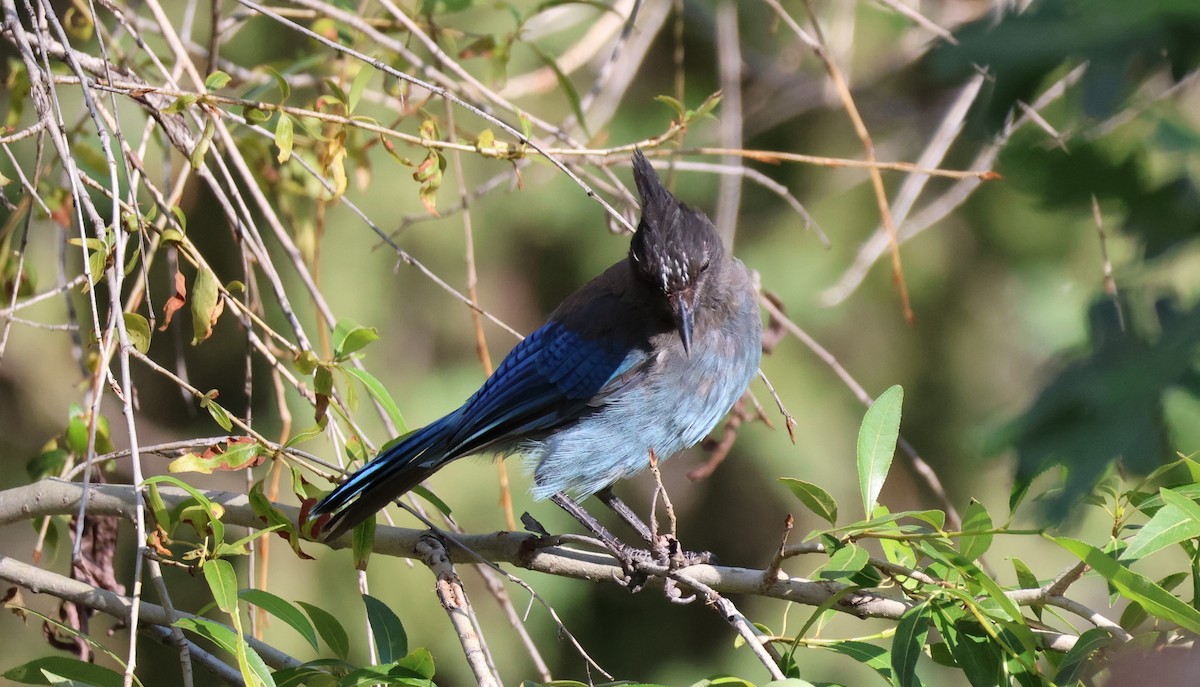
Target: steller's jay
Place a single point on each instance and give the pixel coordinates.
(647, 357)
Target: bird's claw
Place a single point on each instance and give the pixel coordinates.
(675, 594)
(634, 562)
(665, 556)
(669, 552)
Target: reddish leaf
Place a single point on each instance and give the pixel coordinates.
(175, 302)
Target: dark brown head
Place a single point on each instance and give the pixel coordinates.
(675, 250)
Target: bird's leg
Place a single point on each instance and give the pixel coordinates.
(666, 548)
(616, 505)
(624, 553)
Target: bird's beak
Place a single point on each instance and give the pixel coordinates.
(683, 308)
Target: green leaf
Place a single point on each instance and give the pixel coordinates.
(349, 337)
(158, 508)
(1151, 503)
(283, 610)
(180, 104)
(911, 632)
(222, 580)
(886, 522)
(673, 104)
(976, 519)
(705, 110)
(357, 86)
(228, 640)
(391, 642)
(330, 629)
(362, 545)
(420, 661)
(971, 647)
(380, 394)
(845, 563)
(1178, 520)
(875, 657)
(877, 444)
(211, 509)
(219, 414)
(1027, 580)
(240, 547)
(432, 498)
(1074, 664)
(1157, 601)
(284, 138)
(216, 81)
(814, 498)
(238, 454)
(138, 331)
(206, 304)
(323, 381)
(37, 672)
(196, 159)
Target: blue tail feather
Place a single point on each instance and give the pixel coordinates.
(398, 468)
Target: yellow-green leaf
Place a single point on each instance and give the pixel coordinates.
(138, 331)
(283, 138)
(206, 304)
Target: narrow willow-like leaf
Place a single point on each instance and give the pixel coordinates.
(222, 580)
(378, 392)
(844, 563)
(877, 444)
(911, 632)
(814, 498)
(72, 670)
(283, 610)
(1178, 520)
(1073, 666)
(1157, 601)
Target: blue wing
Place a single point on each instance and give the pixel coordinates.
(548, 379)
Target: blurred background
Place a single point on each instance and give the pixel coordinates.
(1054, 303)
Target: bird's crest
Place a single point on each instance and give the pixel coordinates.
(673, 243)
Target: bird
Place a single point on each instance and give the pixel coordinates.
(644, 359)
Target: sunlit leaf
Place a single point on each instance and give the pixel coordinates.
(284, 138)
(877, 444)
(1178, 520)
(378, 392)
(976, 519)
(350, 337)
(1157, 601)
(283, 610)
(217, 80)
(815, 498)
(222, 581)
(844, 563)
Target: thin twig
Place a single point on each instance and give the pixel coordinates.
(458, 608)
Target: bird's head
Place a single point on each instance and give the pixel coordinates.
(675, 250)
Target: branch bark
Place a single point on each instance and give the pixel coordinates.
(56, 497)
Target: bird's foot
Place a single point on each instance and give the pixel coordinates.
(637, 566)
(669, 552)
